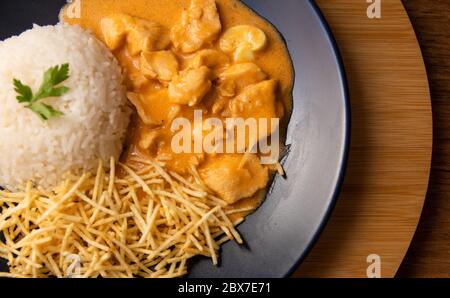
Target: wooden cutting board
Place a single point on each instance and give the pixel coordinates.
(388, 171)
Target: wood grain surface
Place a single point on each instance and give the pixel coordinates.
(388, 171)
(429, 253)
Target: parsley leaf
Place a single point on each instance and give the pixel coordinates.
(25, 93)
(52, 77)
(44, 111)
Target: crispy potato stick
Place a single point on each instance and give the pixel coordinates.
(143, 222)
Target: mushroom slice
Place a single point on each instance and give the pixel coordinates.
(243, 35)
(243, 54)
(242, 41)
(161, 65)
(190, 86)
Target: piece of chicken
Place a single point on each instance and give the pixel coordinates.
(216, 60)
(154, 108)
(148, 139)
(199, 26)
(235, 78)
(233, 181)
(161, 65)
(220, 105)
(136, 100)
(135, 80)
(210, 58)
(146, 36)
(257, 101)
(140, 34)
(190, 86)
(114, 29)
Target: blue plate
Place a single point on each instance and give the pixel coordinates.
(279, 235)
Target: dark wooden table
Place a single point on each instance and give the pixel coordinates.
(429, 253)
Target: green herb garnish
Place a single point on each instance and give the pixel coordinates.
(52, 77)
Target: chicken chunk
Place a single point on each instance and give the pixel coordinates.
(220, 105)
(154, 108)
(161, 65)
(136, 80)
(215, 60)
(140, 35)
(200, 25)
(146, 36)
(190, 86)
(210, 58)
(237, 77)
(257, 101)
(114, 29)
(233, 181)
(148, 139)
(137, 102)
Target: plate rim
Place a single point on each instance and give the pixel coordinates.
(346, 144)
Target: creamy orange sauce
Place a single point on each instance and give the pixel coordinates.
(274, 60)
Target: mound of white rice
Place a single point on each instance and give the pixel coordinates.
(96, 114)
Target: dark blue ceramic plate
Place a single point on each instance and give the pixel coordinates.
(280, 234)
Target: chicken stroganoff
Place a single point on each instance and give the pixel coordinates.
(146, 131)
(181, 56)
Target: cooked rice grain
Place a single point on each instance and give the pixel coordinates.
(95, 109)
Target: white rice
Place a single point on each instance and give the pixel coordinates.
(96, 114)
